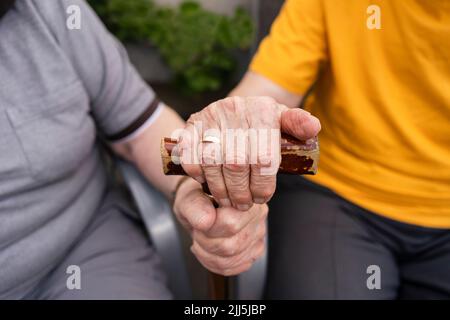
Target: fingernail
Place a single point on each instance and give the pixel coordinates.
(243, 207)
(200, 179)
(259, 200)
(225, 202)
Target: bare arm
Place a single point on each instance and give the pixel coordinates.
(144, 150)
(256, 85)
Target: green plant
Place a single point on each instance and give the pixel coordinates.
(195, 43)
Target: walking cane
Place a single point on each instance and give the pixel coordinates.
(297, 158)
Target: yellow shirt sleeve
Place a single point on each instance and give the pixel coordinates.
(291, 55)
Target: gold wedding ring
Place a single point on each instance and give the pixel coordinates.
(211, 139)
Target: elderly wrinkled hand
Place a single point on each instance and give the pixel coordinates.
(225, 240)
(234, 145)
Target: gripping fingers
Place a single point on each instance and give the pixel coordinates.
(229, 266)
(212, 166)
(188, 152)
(237, 178)
(262, 186)
(230, 221)
(228, 247)
(197, 210)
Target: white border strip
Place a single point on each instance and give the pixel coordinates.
(155, 115)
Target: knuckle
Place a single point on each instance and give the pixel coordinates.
(217, 191)
(247, 267)
(241, 198)
(244, 238)
(216, 187)
(228, 247)
(267, 106)
(235, 169)
(193, 170)
(265, 160)
(210, 108)
(263, 185)
(228, 272)
(208, 113)
(211, 261)
(195, 203)
(213, 172)
(231, 225)
(227, 263)
(238, 185)
(193, 117)
(238, 189)
(229, 104)
(182, 213)
(221, 195)
(209, 159)
(266, 190)
(202, 222)
(211, 156)
(222, 265)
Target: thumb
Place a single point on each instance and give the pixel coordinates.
(299, 124)
(197, 210)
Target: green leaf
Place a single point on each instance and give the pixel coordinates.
(195, 43)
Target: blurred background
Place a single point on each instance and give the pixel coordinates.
(192, 53)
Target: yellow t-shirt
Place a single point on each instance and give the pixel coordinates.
(379, 73)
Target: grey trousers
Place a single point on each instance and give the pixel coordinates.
(115, 260)
(324, 247)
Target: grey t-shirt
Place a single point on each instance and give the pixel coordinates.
(59, 89)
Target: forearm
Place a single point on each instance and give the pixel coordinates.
(255, 85)
(144, 150)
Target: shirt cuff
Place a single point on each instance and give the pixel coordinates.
(145, 120)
